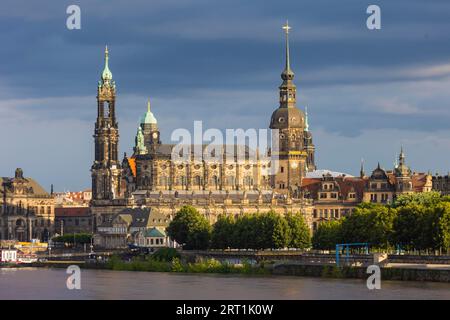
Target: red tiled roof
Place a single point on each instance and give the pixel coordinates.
(72, 212)
(345, 184)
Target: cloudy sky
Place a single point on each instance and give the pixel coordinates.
(367, 92)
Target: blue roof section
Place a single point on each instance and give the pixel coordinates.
(155, 233)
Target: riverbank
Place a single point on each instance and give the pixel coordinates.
(285, 268)
(398, 273)
(395, 267)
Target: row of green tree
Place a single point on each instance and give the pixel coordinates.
(256, 231)
(414, 222)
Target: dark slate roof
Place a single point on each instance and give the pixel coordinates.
(138, 217)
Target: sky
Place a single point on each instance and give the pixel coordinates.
(368, 92)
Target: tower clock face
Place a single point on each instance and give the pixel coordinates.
(155, 135)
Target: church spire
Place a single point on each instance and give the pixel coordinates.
(287, 88)
(362, 173)
(106, 74)
(401, 157)
(287, 74)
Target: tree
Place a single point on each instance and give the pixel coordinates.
(327, 235)
(407, 226)
(245, 234)
(281, 232)
(371, 223)
(444, 226)
(299, 231)
(427, 199)
(222, 233)
(255, 231)
(423, 227)
(190, 229)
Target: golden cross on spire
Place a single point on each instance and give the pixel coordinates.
(286, 27)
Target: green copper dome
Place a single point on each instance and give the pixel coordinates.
(148, 117)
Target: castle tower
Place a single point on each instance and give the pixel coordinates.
(295, 148)
(106, 167)
(403, 174)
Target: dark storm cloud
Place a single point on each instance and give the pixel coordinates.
(197, 58)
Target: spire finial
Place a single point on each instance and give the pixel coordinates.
(148, 105)
(286, 29)
(361, 171)
(401, 157)
(106, 75)
(106, 56)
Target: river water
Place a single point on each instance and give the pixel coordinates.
(33, 283)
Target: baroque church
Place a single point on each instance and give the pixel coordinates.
(229, 185)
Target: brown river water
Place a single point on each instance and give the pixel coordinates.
(32, 283)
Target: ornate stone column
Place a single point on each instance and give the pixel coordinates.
(238, 176)
(189, 175)
(205, 175)
(171, 175)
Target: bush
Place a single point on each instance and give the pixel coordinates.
(166, 254)
(74, 238)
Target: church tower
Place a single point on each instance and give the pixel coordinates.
(106, 167)
(149, 126)
(295, 148)
(403, 175)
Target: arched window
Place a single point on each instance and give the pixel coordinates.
(215, 182)
(248, 181)
(198, 182)
(163, 182)
(231, 181)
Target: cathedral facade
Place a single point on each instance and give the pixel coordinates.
(227, 184)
